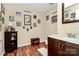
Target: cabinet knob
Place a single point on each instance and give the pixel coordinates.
(12, 43)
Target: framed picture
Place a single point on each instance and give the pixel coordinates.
(18, 13)
(0, 27)
(54, 19)
(0, 16)
(66, 16)
(18, 23)
(3, 20)
(30, 27)
(27, 20)
(34, 24)
(11, 18)
(73, 15)
(47, 17)
(34, 16)
(23, 27)
(27, 29)
(39, 21)
(2, 8)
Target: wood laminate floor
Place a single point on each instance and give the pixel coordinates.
(28, 50)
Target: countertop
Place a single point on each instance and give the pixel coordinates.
(64, 38)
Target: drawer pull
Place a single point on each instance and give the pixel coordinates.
(13, 34)
(12, 43)
(12, 38)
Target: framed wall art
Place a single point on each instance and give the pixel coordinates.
(18, 13)
(30, 27)
(3, 20)
(34, 24)
(27, 20)
(27, 29)
(34, 16)
(23, 27)
(54, 19)
(18, 23)
(47, 17)
(11, 18)
(73, 15)
(0, 16)
(2, 8)
(38, 21)
(0, 27)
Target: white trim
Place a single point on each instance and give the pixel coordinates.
(23, 44)
(20, 45)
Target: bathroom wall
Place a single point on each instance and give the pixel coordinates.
(64, 29)
(1, 35)
(50, 28)
(24, 36)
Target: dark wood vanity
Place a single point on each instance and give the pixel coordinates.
(62, 48)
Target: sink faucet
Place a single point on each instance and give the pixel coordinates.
(73, 35)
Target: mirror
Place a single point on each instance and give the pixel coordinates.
(70, 12)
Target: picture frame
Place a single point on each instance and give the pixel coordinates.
(0, 16)
(54, 19)
(27, 20)
(11, 18)
(73, 15)
(66, 16)
(30, 27)
(2, 8)
(3, 20)
(38, 21)
(23, 27)
(34, 24)
(0, 26)
(18, 13)
(34, 16)
(18, 23)
(27, 29)
(47, 17)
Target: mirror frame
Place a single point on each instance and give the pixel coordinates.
(63, 22)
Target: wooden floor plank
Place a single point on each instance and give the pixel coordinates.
(28, 50)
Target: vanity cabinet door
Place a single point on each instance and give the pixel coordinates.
(56, 47)
(72, 49)
(53, 47)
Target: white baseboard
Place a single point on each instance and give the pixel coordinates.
(26, 44)
(23, 44)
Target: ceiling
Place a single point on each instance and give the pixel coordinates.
(43, 7)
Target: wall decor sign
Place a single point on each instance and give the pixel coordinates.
(34, 24)
(38, 21)
(47, 17)
(34, 16)
(54, 19)
(18, 23)
(18, 13)
(27, 20)
(2, 8)
(11, 18)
